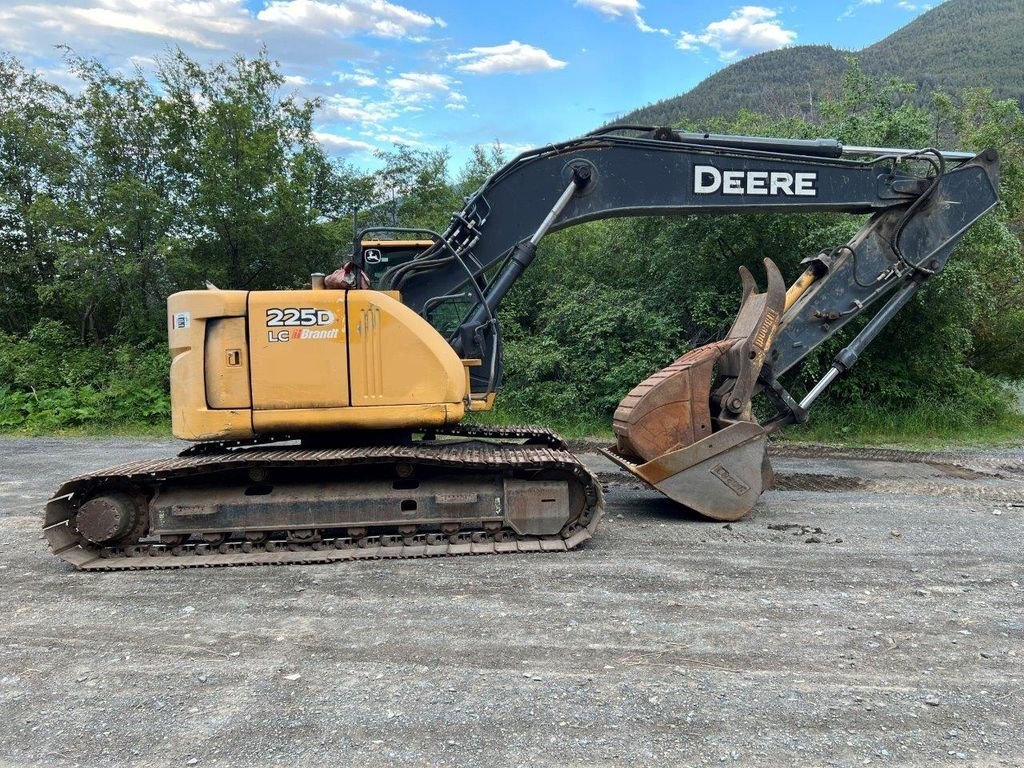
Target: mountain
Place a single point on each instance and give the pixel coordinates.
(957, 44)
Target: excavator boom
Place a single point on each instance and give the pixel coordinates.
(722, 475)
(688, 430)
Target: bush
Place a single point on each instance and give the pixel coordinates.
(48, 381)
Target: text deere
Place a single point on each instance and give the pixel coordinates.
(707, 180)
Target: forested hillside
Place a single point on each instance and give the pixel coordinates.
(787, 82)
(129, 190)
(960, 43)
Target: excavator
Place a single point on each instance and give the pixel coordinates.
(328, 422)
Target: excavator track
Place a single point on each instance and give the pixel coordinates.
(527, 473)
(530, 435)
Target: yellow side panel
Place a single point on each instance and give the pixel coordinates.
(297, 349)
(227, 363)
(289, 348)
(397, 357)
(188, 313)
(381, 417)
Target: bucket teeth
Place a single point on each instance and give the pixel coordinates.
(748, 283)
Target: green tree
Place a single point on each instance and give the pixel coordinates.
(37, 170)
(111, 269)
(414, 189)
(246, 170)
(997, 326)
(482, 162)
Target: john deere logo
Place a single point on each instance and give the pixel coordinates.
(371, 256)
(709, 180)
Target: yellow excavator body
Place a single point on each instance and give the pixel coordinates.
(326, 421)
(290, 362)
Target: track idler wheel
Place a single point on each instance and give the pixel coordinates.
(111, 518)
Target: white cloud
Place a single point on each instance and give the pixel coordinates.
(409, 83)
(615, 9)
(913, 6)
(750, 29)
(353, 109)
(410, 90)
(853, 7)
(512, 57)
(296, 80)
(142, 61)
(342, 144)
(348, 17)
(201, 24)
(301, 30)
(612, 7)
(513, 150)
(395, 138)
(357, 77)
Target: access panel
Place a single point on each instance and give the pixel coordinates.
(297, 349)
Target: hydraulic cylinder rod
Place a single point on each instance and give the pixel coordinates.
(946, 154)
(848, 356)
(522, 255)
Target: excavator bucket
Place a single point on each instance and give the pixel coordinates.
(696, 442)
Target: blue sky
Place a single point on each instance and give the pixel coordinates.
(435, 73)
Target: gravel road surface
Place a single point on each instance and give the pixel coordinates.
(870, 611)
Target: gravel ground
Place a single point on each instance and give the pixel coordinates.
(870, 611)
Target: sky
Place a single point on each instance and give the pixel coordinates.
(449, 73)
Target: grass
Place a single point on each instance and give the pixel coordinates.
(571, 427)
(923, 429)
(121, 429)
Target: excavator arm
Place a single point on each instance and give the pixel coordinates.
(688, 430)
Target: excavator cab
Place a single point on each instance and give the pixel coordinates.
(378, 256)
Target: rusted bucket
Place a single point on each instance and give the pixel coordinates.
(691, 435)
